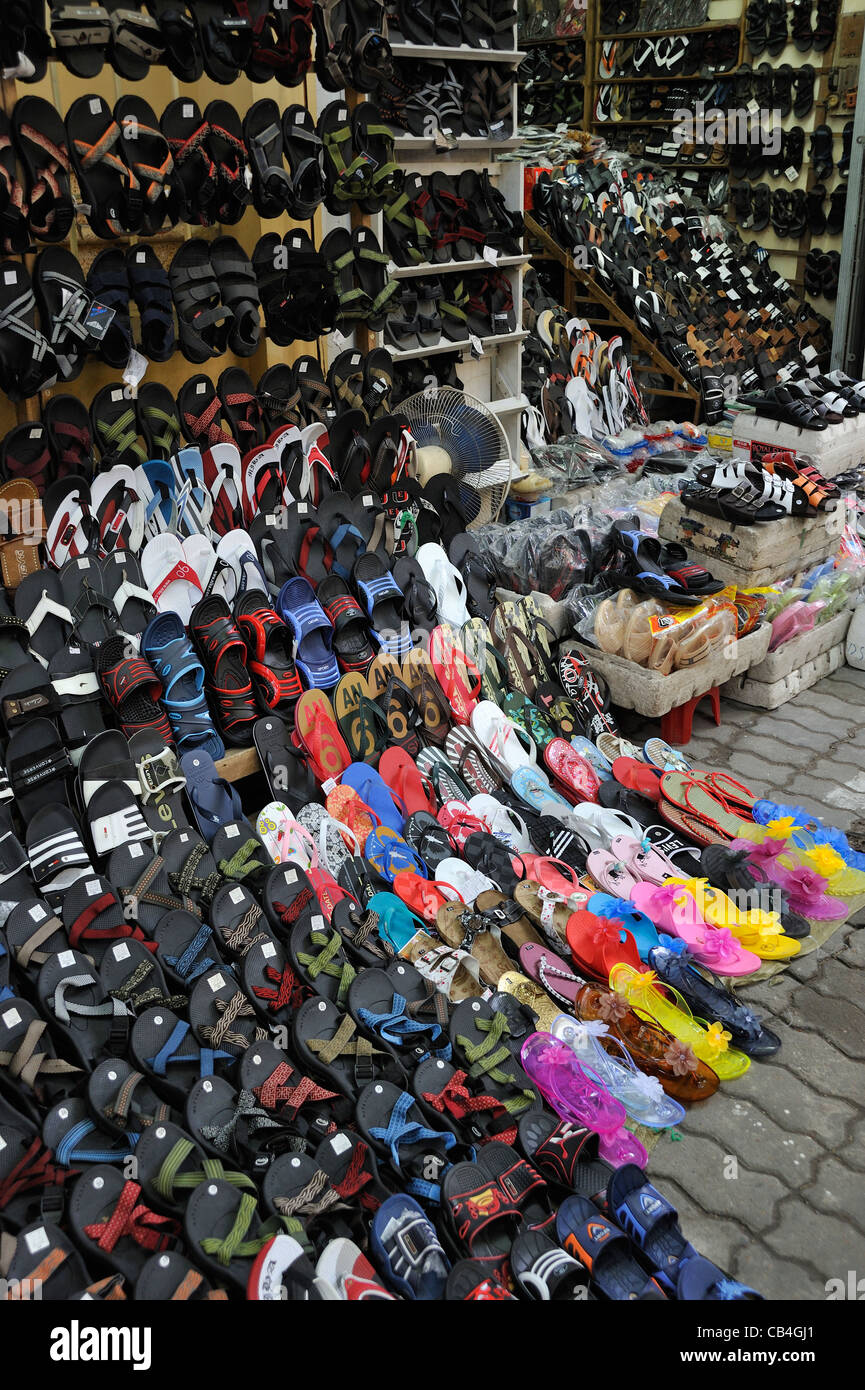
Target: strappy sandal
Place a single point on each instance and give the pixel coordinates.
(347, 174)
(109, 187)
(373, 143)
(14, 233)
(227, 39)
(262, 131)
(204, 320)
(145, 150)
(179, 31)
(238, 291)
(227, 150)
(304, 154)
(195, 176)
(81, 39)
(27, 363)
(63, 302)
(42, 145)
(151, 290)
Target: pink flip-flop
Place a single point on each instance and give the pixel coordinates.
(647, 864)
(554, 875)
(556, 976)
(572, 770)
(674, 910)
(611, 873)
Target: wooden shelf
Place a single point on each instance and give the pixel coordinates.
(669, 33)
(239, 763)
(464, 53)
(617, 316)
(557, 40)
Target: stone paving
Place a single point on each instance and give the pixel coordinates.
(769, 1175)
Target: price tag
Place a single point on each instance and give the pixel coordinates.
(134, 370)
(476, 345)
(491, 254)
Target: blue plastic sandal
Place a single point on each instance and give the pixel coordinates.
(311, 628)
(165, 645)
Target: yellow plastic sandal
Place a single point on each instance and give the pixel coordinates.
(842, 880)
(666, 1007)
(755, 930)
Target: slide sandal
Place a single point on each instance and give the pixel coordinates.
(313, 634)
(605, 1251)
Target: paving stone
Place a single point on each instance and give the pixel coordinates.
(715, 1238)
(843, 981)
(753, 1193)
(833, 1245)
(795, 1105)
(752, 765)
(775, 1279)
(837, 1020)
(806, 967)
(853, 1151)
(770, 997)
(813, 1059)
(854, 951)
(838, 1191)
(743, 1129)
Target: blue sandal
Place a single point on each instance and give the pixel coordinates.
(313, 634)
(166, 646)
(213, 799)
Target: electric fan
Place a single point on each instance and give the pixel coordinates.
(460, 435)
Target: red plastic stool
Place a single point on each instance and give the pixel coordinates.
(676, 725)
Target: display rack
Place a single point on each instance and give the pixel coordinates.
(596, 299)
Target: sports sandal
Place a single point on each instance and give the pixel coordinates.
(195, 181)
(224, 656)
(165, 645)
(262, 133)
(204, 321)
(111, 190)
(303, 154)
(27, 363)
(41, 142)
(238, 291)
(151, 290)
(228, 152)
(131, 688)
(269, 645)
(145, 151)
(108, 285)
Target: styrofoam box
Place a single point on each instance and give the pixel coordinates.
(754, 555)
(800, 650)
(654, 695)
(833, 450)
(772, 694)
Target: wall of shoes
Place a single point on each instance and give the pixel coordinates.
(257, 197)
(784, 72)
